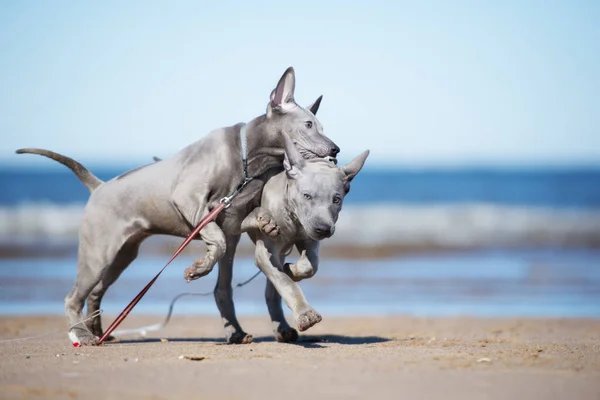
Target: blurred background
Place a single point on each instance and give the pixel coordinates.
(481, 195)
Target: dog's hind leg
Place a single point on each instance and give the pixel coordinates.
(90, 271)
(100, 247)
(125, 257)
(224, 295)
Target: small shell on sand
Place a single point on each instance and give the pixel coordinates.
(193, 358)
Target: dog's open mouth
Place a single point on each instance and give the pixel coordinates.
(310, 149)
(309, 154)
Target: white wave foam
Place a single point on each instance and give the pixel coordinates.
(465, 225)
(41, 220)
(444, 225)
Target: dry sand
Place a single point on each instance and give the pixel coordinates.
(383, 357)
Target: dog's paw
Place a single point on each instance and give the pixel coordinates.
(81, 337)
(100, 333)
(197, 270)
(95, 327)
(307, 318)
(286, 335)
(240, 338)
(302, 269)
(267, 225)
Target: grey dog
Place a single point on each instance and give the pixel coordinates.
(304, 203)
(172, 196)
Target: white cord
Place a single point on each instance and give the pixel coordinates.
(93, 315)
(145, 329)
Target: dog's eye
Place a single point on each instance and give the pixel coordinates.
(307, 196)
(308, 124)
(337, 200)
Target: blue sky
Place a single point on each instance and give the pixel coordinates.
(418, 83)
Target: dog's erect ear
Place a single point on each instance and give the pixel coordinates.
(293, 161)
(314, 107)
(353, 167)
(284, 92)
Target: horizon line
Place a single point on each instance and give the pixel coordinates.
(373, 165)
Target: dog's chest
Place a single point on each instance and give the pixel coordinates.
(290, 233)
(230, 219)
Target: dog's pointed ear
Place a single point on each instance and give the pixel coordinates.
(284, 91)
(353, 167)
(314, 107)
(293, 162)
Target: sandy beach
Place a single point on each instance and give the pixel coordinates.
(462, 256)
(374, 357)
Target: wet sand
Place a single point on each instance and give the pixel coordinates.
(374, 357)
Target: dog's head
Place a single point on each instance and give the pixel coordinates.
(301, 124)
(316, 189)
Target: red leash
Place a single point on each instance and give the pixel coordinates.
(187, 241)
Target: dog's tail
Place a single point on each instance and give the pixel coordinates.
(85, 176)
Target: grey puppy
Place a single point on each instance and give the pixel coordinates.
(172, 196)
(303, 203)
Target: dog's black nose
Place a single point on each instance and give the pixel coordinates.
(323, 230)
(334, 151)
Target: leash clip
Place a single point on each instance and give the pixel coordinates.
(228, 199)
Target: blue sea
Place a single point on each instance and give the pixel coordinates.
(483, 242)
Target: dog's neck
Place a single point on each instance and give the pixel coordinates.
(290, 213)
(264, 146)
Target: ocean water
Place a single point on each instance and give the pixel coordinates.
(445, 208)
(532, 283)
(529, 244)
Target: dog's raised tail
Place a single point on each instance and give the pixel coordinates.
(85, 176)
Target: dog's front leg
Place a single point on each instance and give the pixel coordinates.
(216, 246)
(308, 263)
(270, 264)
(306, 266)
(192, 209)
